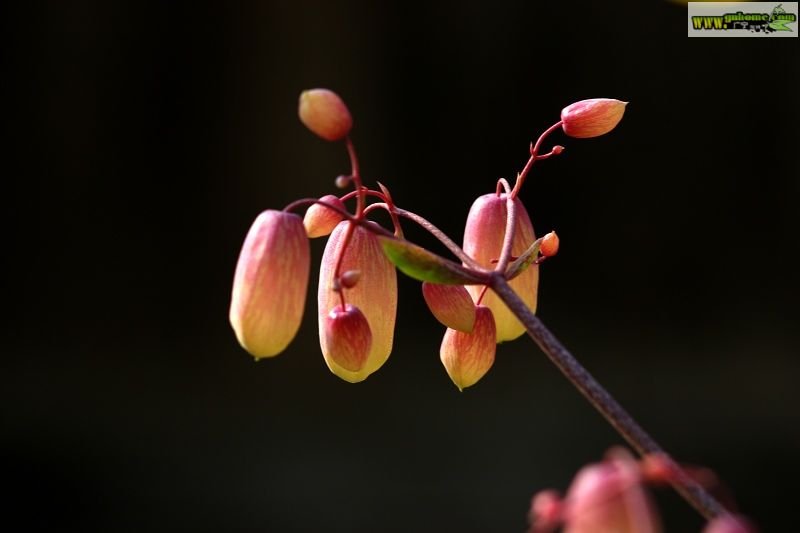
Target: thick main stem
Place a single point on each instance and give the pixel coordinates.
(599, 397)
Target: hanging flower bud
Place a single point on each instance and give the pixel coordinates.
(375, 295)
(451, 305)
(269, 287)
(320, 220)
(324, 113)
(591, 118)
(549, 246)
(347, 337)
(483, 241)
(607, 497)
(468, 356)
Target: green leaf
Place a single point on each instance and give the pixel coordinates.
(524, 261)
(422, 265)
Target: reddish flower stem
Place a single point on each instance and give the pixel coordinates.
(533, 158)
(599, 397)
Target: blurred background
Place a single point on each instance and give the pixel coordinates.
(148, 136)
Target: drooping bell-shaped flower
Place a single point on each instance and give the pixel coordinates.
(608, 497)
(451, 305)
(468, 356)
(375, 294)
(483, 241)
(320, 220)
(347, 337)
(269, 287)
(591, 118)
(324, 113)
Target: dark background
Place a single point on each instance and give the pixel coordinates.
(147, 136)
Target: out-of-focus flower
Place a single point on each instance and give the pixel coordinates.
(592, 118)
(324, 113)
(375, 295)
(451, 305)
(347, 337)
(729, 524)
(483, 241)
(608, 497)
(468, 356)
(320, 220)
(269, 287)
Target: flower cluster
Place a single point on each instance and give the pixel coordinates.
(357, 294)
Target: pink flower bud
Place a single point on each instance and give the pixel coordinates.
(591, 118)
(451, 305)
(347, 337)
(468, 356)
(545, 511)
(483, 241)
(549, 246)
(319, 220)
(375, 295)
(269, 287)
(324, 113)
(729, 524)
(609, 496)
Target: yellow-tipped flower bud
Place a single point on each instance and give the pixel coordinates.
(468, 356)
(591, 118)
(269, 287)
(347, 337)
(320, 220)
(483, 241)
(324, 113)
(375, 295)
(451, 305)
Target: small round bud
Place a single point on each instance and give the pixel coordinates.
(549, 246)
(342, 182)
(324, 113)
(591, 118)
(557, 149)
(546, 509)
(350, 278)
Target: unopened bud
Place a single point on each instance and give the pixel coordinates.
(324, 113)
(347, 337)
(549, 245)
(269, 287)
(545, 511)
(591, 118)
(342, 182)
(557, 149)
(320, 220)
(451, 305)
(467, 357)
(350, 278)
